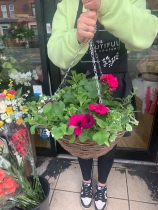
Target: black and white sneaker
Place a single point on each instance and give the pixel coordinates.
(100, 198)
(86, 195)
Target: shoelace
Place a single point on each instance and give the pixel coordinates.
(101, 194)
(87, 190)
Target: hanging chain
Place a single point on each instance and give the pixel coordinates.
(95, 70)
(93, 55)
(96, 55)
(65, 76)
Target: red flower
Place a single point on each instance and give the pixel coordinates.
(13, 92)
(98, 108)
(76, 120)
(87, 121)
(2, 175)
(91, 107)
(21, 141)
(101, 109)
(78, 131)
(110, 80)
(8, 185)
(81, 121)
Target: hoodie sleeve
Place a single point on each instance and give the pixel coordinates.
(130, 21)
(62, 45)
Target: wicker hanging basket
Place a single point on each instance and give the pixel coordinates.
(88, 149)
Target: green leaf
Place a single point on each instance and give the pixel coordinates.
(57, 132)
(19, 92)
(128, 127)
(12, 70)
(107, 143)
(72, 139)
(101, 137)
(125, 120)
(101, 123)
(112, 137)
(32, 129)
(86, 135)
(12, 60)
(116, 127)
(91, 88)
(63, 127)
(58, 108)
(70, 130)
(47, 107)
(7, 65)
(82, 82)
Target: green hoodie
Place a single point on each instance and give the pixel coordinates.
(129, 20)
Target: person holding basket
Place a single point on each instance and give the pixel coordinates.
(116, 27)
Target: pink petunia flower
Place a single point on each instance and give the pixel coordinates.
(87, 121)
(98, 108)
(78, 131)
(110, 80)
(91, 107)
(76, 120)
(101, 109)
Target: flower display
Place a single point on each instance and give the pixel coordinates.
(17, 190)
(23, 78)
(12, 107)
(20, 142)
(76, 112)
(8, 185)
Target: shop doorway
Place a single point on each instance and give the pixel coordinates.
(143, 142)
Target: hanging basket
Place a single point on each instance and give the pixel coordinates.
(88, 149)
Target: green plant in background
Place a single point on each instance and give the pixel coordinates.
(74, 111)
(21, 30)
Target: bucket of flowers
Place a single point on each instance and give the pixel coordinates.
(83, 124)
(17, 190)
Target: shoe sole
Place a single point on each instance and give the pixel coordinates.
(104, 209)
(84, 207)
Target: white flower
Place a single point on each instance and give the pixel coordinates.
(42, 101)
(2, 107)
(40, 111)
(8, 102)
(8, 120)
(45, 98)
(4, 116)
(13, 102)
(34, 75)
(4, 58)
(18, 115)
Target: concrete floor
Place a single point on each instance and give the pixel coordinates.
(129, 186)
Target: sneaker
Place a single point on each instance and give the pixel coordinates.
(86, 195)
(100, 198)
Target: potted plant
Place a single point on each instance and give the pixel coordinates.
(17, 190)
(75, 117)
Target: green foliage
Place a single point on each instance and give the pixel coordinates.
(54, 112)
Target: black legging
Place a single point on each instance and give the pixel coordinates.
(104, 166)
